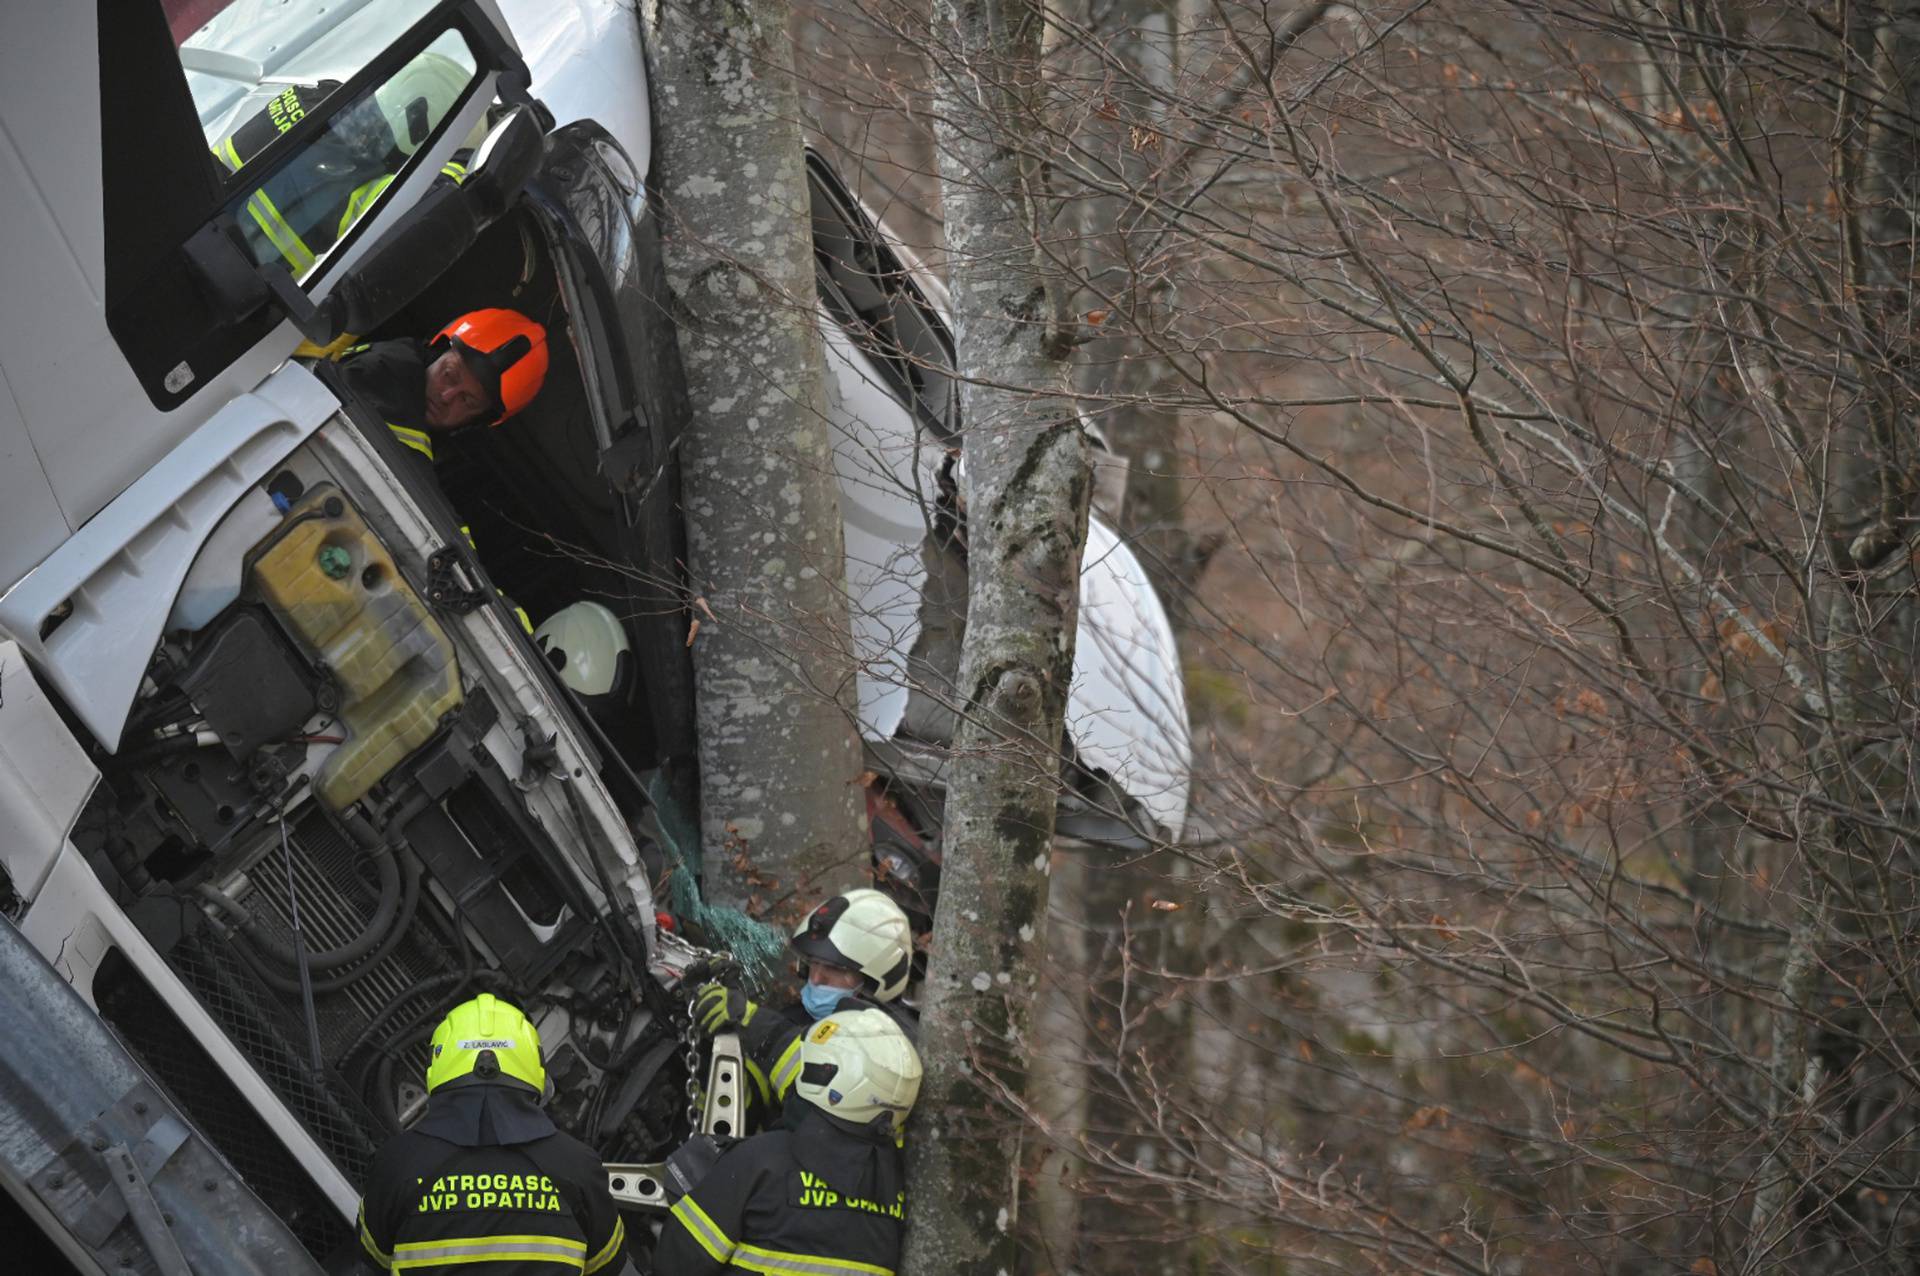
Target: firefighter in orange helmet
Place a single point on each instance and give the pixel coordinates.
(479, 370)
(482, 368)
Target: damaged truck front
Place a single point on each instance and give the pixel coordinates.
(282, 771)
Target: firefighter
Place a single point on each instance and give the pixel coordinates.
(827, 1196)
(483, 367)
(483, 1182)
(300, 212)
(859, 951)
(480, 369)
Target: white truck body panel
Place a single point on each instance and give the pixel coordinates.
(588, 63)
(122, 571)
(1127, 708)
(886, 492)
(45, 776)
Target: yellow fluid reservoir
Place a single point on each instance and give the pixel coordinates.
(334, 586)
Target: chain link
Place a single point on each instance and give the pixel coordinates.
(692, 1042)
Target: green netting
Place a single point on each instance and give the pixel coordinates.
(754, 944)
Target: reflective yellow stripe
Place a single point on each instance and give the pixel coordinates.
(363, 196)
(490, 1249)
(611, 1248)
(703, 1229)
(419, 440)
(759, 1082)
(228, 154)
(786, 1068)
(775, 1262)
(367, 1243)
(361, 200)
(281, 235)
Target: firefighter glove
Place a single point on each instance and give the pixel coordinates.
(717, 1008)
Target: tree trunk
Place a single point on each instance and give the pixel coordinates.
(1026, 487)
(781, 807)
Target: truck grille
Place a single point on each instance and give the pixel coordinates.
(208, 1096)
(272, 1039)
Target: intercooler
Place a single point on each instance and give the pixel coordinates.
(337, 898)
(336, 901)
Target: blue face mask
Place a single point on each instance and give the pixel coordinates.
(820, 1000)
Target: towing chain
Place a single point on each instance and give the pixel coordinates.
(691, 1040)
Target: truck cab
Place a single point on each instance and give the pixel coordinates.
(254, 665)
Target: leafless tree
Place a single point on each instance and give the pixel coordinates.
(780, 797)
(1544, 372)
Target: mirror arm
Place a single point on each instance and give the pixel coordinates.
(515, 83)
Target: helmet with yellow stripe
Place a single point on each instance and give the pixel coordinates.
(859, 1066)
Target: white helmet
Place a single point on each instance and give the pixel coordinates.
(859, 1066)
(861, 930)
(416, 99)
(587, 646)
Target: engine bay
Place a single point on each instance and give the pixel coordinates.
(310, 743)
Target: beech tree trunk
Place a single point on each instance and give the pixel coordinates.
(1026, 488)
(781, 808)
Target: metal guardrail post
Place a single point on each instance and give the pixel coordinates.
(107, 1154)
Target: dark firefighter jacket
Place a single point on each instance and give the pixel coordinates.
(391, 378)
(484, 1183)
(773, 1053)
(821, 1199)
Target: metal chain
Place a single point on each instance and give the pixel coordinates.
(692, 1042)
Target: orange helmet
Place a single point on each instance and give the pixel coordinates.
(506, 350)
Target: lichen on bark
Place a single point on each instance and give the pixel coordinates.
(1027, 486)
(782, 809)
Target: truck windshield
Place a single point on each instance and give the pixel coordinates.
(277, 59)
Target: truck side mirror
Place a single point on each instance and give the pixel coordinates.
(432, 235)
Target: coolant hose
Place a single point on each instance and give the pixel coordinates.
(281, 951)
(409, 899)
(378, 928)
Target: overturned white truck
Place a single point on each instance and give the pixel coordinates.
(248, 667)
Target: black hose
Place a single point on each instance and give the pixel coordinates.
(379, 929)
(434, 986)
(630, 1086)
(409, 900)
(627, 940)
(381, 1101)
(426, 987)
